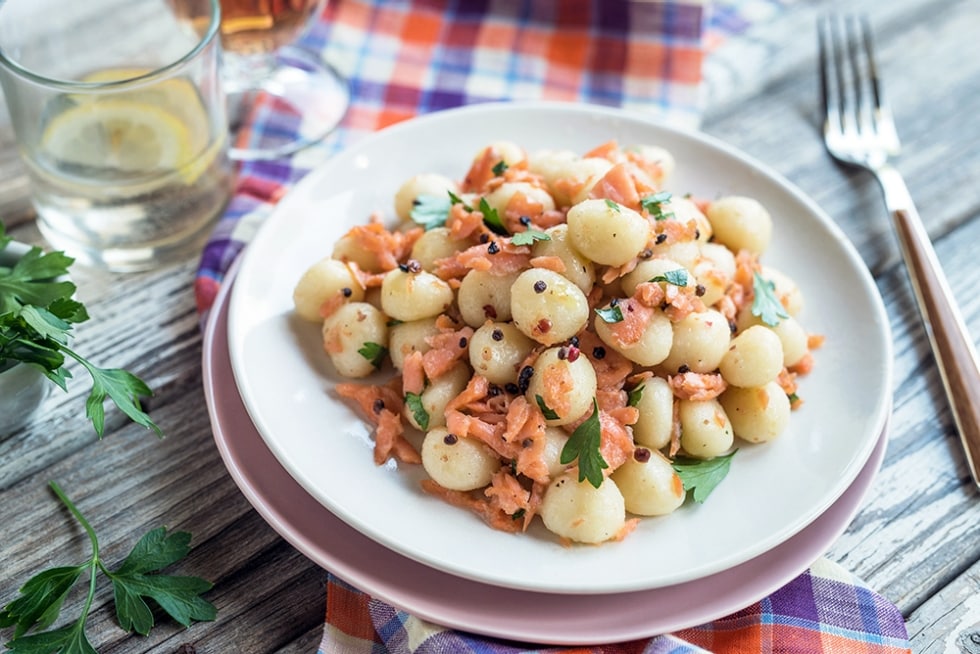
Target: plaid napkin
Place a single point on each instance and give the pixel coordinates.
(825, 609)
(408, 57)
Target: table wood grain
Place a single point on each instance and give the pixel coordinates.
(916, 538)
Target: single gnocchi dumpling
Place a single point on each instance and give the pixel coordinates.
(656, 162)
(740, 223)
(484, 296)
(348, 248)
(353, 336)
(547, 306)
(685, 210)
(700, 341)
(714, 271)
(565, 385)
(792, 336)
(578, 268)
(501, 197)
(754, 358)
(322, 281)
(458, 462)
(649, 484)
(507, 152)
(436, 396)
(645, 341)
(407, 337)
(656, 269)
(582, 513)
(706, 431)
(408, 294)
(554, 442)
(434, 244)
(569, 178)
(656, 413)
(606, 232)
(496, 351)
(758, 415)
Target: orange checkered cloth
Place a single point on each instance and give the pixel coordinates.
(409, 57)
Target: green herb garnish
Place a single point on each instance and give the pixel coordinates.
(583, 445)
(612, 314)
(491, 219)
(546, 411)
(500, 168)
(374, 353)
(700, 477)
(37, 313)
(414, 403)
(431, 211)
(676, 277)
(528, 237)
(635, 395)
(765, 304)
(613, 205)
(134, 582)
(654, 205)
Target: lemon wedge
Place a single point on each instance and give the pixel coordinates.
(125, 135)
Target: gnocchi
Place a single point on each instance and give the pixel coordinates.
(562, 335)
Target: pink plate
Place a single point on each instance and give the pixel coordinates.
(560, 619)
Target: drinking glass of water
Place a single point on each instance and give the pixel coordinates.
(264, 70)
(120, 117)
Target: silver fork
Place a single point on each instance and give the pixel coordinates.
(859, 130)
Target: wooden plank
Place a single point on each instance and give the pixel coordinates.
(949, 623)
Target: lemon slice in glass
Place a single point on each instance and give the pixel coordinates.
(122, 135)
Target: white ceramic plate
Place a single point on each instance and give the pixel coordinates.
(772, 491)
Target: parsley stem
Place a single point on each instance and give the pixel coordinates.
(94, 561)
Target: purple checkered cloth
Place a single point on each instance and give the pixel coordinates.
(824, 610)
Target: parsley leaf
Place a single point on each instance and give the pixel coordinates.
(546, 411)
(634, 396)
(654, 205)
(374, 353)
(765, 304)
(37, 314)
(500, 168)
(40, 600)
(414, 403)
(702, 476)
(492, 219)
(583, 445)
(611, 314)
(431, 211)
(528, 237)
(134, 581)
(612, 205)
(676, 277)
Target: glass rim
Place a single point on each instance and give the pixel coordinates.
(157, 73)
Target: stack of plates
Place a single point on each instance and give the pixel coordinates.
(304, 459)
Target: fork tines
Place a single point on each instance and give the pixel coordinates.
(849, 83)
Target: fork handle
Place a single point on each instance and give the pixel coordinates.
(951, 343)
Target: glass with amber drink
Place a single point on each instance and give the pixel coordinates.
(266, 71)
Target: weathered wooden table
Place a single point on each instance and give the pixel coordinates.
(916, 539)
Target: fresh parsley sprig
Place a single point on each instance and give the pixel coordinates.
(134, 582)
(374, 353)
(701, 476)
(765, 304)
(583, 445)
(37, 314)
(654, 205)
